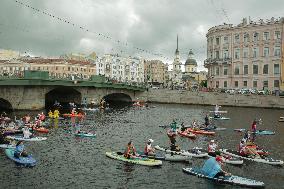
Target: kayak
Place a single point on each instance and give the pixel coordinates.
(85, 134)
(234, 180)
(73, 115)
(258, 132)
(187, 134)
(41, 130)
(203, 132)
(5, 146)
(27, 161)
(138, 160)
(260, 160)
(193, 153)
(219, 118)
(33, 139)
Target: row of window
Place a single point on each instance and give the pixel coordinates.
(245, 84)
(246, 54)
(246, 37)
(255, 70)
(43, 68)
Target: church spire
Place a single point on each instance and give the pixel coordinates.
(177, 51)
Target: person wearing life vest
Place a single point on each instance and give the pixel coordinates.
(220, 161)
(149, 150)
(50, 114)
(212, 149)
(20, 150)
(206, 120)
(56, 114)
(130, 151)
(42, 116)
(26, 132)
(253, 126)
(244, 150)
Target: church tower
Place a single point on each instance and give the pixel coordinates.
(177, 63)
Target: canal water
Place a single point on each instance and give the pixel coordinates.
(65, 161)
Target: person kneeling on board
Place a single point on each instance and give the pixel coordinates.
(130, 151)
(149, 150)
(20, 150)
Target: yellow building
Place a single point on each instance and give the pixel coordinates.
(155, 72)
(8, 54)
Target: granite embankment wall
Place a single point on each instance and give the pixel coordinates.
(210, 98)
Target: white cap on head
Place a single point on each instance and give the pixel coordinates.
(150, 140)
(212, 141)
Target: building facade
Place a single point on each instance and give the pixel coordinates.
(9, 54)
(57, 68)
(248, 55)
(121, 69)
(155, 72)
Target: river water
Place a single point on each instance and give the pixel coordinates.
(65, 161)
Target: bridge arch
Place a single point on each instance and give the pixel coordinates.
(63, 95)
(5, 105)
(118, 99)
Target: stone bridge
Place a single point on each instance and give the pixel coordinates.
(34, 92)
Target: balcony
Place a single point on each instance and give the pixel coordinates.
(220, 61)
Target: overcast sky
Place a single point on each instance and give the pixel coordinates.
(151, 25)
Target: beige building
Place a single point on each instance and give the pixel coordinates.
(155, 72)
(8, 54)
(58, 68)
(248, 55)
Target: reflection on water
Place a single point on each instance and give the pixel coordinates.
(66, 161)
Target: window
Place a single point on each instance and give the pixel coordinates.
(225, 84)
(255, 84)
(217, 84)
(225, 70)
(255, 52)
(266, 51)
(226, 40)
(246, 37)
(265, 36)
(277, 35)
(276, 69)
(276, 83)
(217, 70)
(226, 54)
(237, 70)
(265, 83)
(217, 54)
(237, 38)
(217, 41)
(265, 69)
(255, 36)
(236, 84)
(255, 69)
(245, 52)
(245, 69)
(245, 83)
(277, 51)
(237, 53)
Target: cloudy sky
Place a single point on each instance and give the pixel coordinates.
(122, 26)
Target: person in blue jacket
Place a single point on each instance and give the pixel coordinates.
(20, 150)
(213, 167)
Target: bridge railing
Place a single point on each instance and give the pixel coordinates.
(40, 75)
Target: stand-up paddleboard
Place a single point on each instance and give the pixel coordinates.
(234, 180)
(219, 118)
(26, 161)
(260, 160)
(91, 135)
(6, 146)
(138, 160)
(258, 132)
(221, 112)
(33, 139)
(196, 153)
